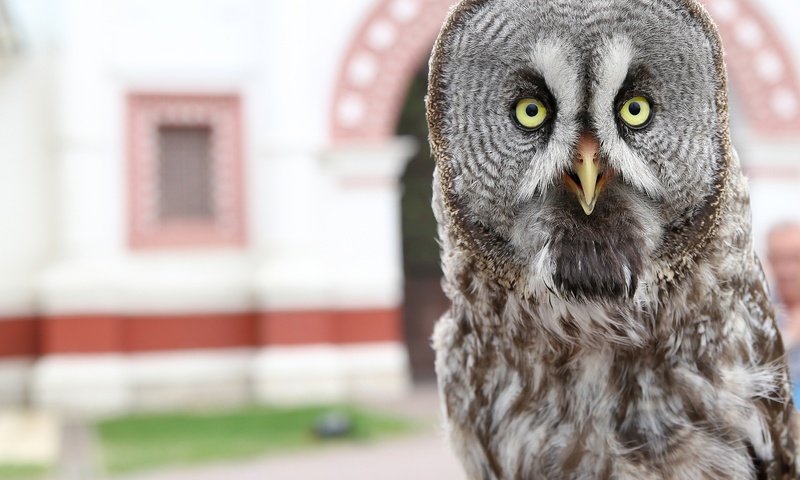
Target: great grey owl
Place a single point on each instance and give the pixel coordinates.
(609, 317)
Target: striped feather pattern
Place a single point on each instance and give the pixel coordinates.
(635, 343)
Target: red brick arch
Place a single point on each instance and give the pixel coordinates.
(396, 37)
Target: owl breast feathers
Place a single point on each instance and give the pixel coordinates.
(609, 318)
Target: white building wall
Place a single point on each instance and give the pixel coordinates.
(783, 14)
(776, 196)
(109, 49)
(26, 179)
(323, 226)
(283, 62)
(279, 58)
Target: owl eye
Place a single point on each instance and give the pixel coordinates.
(636, 112)
(531, 113)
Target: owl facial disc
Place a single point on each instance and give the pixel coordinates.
(588, 178)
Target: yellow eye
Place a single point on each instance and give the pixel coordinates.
(531, 113)
(636, 112)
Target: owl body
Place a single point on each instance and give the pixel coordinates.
(703, 399)
(624, 334)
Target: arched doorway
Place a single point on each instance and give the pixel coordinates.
(379, 86)
(396, 38)
(424, 301)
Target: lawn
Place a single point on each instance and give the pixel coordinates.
(22, 472)
(155, 440)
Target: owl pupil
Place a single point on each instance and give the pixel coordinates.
(532, 110)
(635, 108)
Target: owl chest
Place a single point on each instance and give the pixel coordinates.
(583, 422)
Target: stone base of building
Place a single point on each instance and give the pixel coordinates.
(99, 385)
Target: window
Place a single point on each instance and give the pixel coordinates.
(185, 171)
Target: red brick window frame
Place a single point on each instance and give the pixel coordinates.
(162, 126)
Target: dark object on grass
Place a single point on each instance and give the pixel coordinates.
(333, 425)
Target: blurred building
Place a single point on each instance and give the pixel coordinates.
(211, 201)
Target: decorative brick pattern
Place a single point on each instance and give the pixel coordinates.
(394, 41)
(162, 210)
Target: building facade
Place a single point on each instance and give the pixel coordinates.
(201, 200)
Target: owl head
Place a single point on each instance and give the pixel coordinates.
(581, 142)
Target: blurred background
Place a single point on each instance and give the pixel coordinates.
(216, 223)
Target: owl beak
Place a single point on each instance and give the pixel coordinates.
(587, 179)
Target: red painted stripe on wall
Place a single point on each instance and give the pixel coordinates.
(81, 334)
(300, 328)
(92, 334)
(369, 326)
(166, 332)
(295, 328)
(19, 337)
(145, 333)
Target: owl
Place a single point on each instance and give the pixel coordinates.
(609, 318)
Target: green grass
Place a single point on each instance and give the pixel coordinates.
(23, 472)
(155, 440)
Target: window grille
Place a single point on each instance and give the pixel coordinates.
(185, 171)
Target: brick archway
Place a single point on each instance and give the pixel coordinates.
(396, 38)
(388, 49)
(761, 68)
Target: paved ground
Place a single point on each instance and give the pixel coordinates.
(78, 459)
(419, 458)
(422, 457)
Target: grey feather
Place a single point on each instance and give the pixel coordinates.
(634, 343)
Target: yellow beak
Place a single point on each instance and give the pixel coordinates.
(586, 167)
